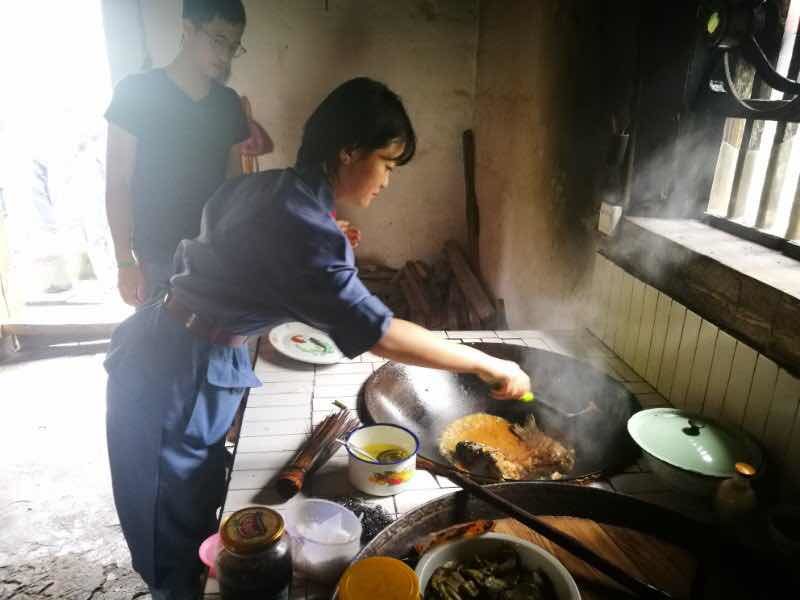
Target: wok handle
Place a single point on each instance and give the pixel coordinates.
(566, 541)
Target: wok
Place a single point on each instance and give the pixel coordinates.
(426, 401)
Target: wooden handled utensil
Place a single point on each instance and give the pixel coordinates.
(566, 541)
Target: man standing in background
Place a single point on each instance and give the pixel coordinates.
(173, 138)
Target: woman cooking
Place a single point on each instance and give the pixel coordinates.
(268, 251)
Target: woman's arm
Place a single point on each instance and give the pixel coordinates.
(411, 344)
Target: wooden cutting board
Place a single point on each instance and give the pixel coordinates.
(649, 558)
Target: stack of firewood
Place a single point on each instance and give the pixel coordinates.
(445, 295)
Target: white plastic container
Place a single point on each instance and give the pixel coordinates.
(384, 479)
(325, 538)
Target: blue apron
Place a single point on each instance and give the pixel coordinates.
(171, 399)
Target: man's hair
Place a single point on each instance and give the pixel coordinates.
(201, 12)
(359, 114)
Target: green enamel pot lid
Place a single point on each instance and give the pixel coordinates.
(692, 442)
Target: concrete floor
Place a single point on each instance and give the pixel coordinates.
(60, 535)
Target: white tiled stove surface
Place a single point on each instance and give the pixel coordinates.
(295, 397)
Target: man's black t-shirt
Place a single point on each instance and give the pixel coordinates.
(181, 155)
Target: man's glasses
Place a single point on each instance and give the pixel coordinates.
(221, 44)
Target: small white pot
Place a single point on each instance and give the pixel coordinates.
(388, 478)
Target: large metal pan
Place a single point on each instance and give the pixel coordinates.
(428, 400)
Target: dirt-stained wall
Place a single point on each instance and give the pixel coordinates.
(298, 50)
(551, 73)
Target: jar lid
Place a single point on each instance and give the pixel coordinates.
(251, 529)
(378, 577)
(693, 442)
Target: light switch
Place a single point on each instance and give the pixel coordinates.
(610, 214)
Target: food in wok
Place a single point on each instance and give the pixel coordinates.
(491, 446)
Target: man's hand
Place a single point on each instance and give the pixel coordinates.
(130, 282)
(353, 234)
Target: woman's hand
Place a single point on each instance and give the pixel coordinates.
(353, 234)
(509, 381)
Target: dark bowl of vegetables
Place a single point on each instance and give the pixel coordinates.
(493, 566)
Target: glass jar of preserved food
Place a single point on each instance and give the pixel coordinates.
(255, 561)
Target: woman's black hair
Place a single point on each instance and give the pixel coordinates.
(201, 12)
(359, 114)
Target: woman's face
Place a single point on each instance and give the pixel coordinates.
(362, 174)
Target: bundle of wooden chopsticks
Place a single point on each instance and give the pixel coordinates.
(316, 450)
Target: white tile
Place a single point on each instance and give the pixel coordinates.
(238, 499)
(270, 443)
(634, 321)
(669, 360)
(742, 370)
(252, 479)
(406, 501)
(264, 367)
(612, 323)
(624, 324)
(326, 403)
(594, 345)
(719, 375)
(701, 367)
(598, 304)
(273, 428)
(269, 400)
(514, 342)
(522, 333)
(492, 340)
(336, 391)
(245, 461)
(536, 343)
(444, 482)
(292, 376)
(350, 367)
(761, 394)
(341, 378)
(649, 306)
(624, 372)
(439, 333)
(253, 414)
(374, 359)
(782, 415)
(471, 335)
(683, 365)
(282, 387)
(659, 338)
(603, 302)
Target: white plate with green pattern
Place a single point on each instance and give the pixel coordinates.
(302, 342)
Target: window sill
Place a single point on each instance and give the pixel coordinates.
(748, 290)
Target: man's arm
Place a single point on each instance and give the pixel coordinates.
(120, 163)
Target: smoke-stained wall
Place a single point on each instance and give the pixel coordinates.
(299, 50)
(551, 74)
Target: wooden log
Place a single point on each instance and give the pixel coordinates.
(471, 287)
(415, 313)
(452, 312)
(417, 288)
